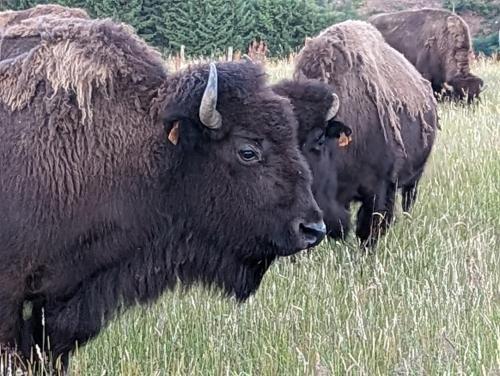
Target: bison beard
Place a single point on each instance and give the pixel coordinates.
(393, 116)
(101, 211)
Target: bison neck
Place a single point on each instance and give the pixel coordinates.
(142, 278)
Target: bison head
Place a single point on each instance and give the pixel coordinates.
(238, 191)
(462, 87)
(315, 106)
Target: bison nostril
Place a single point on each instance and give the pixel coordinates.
(313, 232)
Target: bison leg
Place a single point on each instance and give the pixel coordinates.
(10, 315)
(68, 323)
(10, 326)
(409, 192)
(375, 215)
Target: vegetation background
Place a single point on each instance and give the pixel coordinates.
(209, 27)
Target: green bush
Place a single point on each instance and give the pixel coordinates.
(483, 7)
(488, 44)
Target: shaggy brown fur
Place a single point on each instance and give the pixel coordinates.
(392, 113)
(9, 17)
(100, 211)
(353, 57)
(62, 46)
(13, 44)
(437, 42)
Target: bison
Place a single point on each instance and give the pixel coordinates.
(315, 106)
(438, 43)
(391, 111)
(119, 180)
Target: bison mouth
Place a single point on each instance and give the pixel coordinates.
(302, 236)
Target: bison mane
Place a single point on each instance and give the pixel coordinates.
(98, 54)
(368, 75)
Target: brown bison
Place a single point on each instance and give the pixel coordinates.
(438, 43)
(391, 111)
(315, 106)
(118, 180)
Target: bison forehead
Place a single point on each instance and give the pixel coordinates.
(244, 99)
(266, 114)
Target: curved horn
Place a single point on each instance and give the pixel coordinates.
(484, 87)
(247, 58)
(299, 75)
(332, 112)
(448, 87)
(209, 116)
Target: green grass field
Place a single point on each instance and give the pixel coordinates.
(426, 303)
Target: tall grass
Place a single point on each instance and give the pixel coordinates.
(427, 302)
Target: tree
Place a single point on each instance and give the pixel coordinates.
(209, 27)
(284, 24)
(151, 23)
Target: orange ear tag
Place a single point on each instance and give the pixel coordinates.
(344, 140)
(173, 136)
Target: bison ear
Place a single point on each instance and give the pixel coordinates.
(181, 132)
(336, 128)
(173, 135)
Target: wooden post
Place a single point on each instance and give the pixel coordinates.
(230, 54)
(183, 50)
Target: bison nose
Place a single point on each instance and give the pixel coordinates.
(313, 232)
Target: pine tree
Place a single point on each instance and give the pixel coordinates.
(127, 11)
(243, 23)
(151, 24)
(179, 26)
(19, 4)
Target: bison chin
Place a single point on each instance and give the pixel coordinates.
(298, 236)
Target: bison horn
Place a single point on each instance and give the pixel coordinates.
(300, 76)
(247, 58)
(484, 87)
(332, 112)
(209, 116)
(448, 87)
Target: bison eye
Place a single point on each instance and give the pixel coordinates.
(248, 154)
